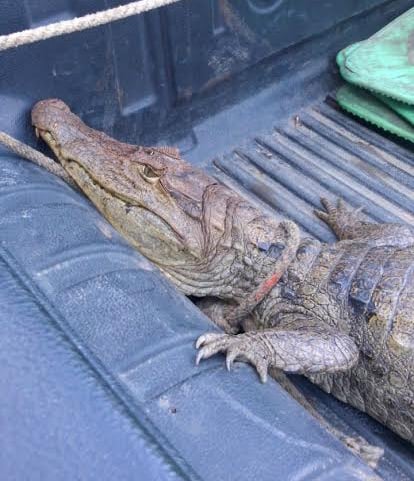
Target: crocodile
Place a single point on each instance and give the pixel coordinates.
(342, 314)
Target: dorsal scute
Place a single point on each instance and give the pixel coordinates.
(170, 151)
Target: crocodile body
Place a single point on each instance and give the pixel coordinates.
(365, 290)
(342, 314)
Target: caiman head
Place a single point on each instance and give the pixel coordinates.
(200, 233)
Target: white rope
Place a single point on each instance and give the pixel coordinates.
(80, 23)
(35, 156)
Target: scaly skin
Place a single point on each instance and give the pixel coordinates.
(341, 314)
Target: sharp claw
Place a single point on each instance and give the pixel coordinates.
(211, 347)
(199, 357)
(262, 371)
(230, 358)
(322, 215)
(263, 378)
(204, 353)
(200, 342)
(325, 202)
(207, 338)
(229, 363)
(328, 205)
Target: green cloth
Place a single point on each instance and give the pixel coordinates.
(405, 111)
(384, 66)
(363, 104)
(385, 62)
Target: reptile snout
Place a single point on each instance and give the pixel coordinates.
(45, 111)
(51, 104)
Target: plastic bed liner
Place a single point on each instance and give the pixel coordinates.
(72, 291)
(96, 347)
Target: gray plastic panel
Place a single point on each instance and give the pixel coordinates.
(232, 35)
(58, 421)
(137, 334)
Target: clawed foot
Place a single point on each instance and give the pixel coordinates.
(338, 216)
(244, 347)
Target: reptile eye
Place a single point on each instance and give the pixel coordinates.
(150, 175)
(150, 152)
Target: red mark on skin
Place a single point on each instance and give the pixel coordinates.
(267, 286)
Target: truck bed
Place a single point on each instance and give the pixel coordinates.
(96, 346)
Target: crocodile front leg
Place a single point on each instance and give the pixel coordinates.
(218, 311)
(309, 350)
(347, 224)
